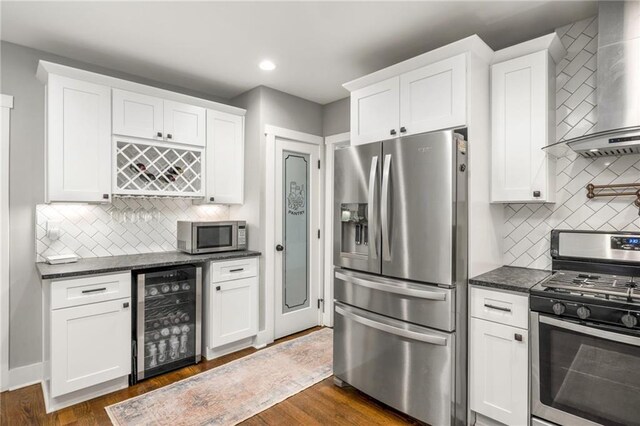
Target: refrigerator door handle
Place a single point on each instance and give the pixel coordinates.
(386, 250)
(389, 328)
(390, 288)
(372, 212)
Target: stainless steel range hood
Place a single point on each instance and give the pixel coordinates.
(617, 131)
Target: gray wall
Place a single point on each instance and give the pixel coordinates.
(26, 189)
(335, 117)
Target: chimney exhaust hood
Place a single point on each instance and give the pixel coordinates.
(617, 131)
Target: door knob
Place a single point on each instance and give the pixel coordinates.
(279, 247)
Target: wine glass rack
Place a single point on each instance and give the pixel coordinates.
(147, 169)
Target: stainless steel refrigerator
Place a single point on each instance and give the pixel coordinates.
(400, 254)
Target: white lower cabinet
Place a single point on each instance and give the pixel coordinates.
(498, 369)
(87, 337)
(231, 304)
(90, 344)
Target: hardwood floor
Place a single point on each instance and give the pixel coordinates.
(320, 404)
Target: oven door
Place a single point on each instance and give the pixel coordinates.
(582, 375)
(214, 237)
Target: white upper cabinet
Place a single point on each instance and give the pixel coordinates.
(523, 122)
(375, 112)
(137, 115)
(224, 158)
(78, 153)
(433, 97)
(184, 123)
(427, 98)
(149, 117)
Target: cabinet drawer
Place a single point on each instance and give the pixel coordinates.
(504, 308)
(90, 289)
(234, 269)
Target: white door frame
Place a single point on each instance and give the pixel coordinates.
(331, 143)
(6, 104)
(266, 336)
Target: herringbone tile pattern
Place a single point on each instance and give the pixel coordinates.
(90, 230)
(527, 226)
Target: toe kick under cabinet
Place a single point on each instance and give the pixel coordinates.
(231, 306)
(87, 337)
(498, 357)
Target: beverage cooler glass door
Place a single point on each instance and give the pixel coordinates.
(356, 208)
(417, 207)
(168, 320)
(582, 375)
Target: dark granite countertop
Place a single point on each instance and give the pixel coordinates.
(511, 278)
(101, 265)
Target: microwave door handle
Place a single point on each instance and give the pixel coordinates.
(595, 332)
(372, 213)
(386, 250)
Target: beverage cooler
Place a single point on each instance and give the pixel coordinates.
(166, 327)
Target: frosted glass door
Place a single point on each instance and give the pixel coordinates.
(295, 272)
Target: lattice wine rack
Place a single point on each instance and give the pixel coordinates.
(156, 170)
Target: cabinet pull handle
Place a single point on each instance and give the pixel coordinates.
(403, 129)
(392, 132)
(518, 337)
(237, 270)
(105, 196)
(159, 134)
(498, 308)
(218, 288)
(169, 136)
(94, 290)
(212, 199)
(536, 194)
(125, 305)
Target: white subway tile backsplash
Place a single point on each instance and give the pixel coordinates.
(90, 230)
(575, 115)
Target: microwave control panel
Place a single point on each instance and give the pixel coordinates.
(242, 237)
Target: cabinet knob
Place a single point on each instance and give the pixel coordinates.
(169, 136)
(518, 337)
(392, 132)
(125, 305)
(403, 129)
(279, 247)
(218, 288)
(159, 134)
(105, 196)
(212, 199)
(536, 194)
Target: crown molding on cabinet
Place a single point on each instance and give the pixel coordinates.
(550, 42)
(470, 44)
(45, 68)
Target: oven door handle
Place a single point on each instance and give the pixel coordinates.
(388, 328)
(591, 331)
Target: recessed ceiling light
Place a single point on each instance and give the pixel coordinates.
(594, 150)
(267, 65)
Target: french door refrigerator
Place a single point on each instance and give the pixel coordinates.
(400, 251)
(166, 328)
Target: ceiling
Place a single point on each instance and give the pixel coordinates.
(215, 47)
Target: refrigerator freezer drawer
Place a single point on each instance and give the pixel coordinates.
(407, 367)
(421, 304)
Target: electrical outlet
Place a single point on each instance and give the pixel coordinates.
(53, 229)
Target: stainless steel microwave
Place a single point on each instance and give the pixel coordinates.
(210, 237)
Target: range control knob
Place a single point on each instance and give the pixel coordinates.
(583, 312)
(629, 320)
(559, 308)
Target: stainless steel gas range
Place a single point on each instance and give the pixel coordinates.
(585, 331)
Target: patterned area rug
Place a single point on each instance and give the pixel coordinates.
(235, 391)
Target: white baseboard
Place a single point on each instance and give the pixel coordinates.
(228, 348)
(20, 377)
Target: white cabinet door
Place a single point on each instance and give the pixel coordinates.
(498, 379)
(234, 311)
(375, 112)
(78, 141)
(433, 97)
(225, 158)
(184, 123)
(137, 115)
(520, 123)
(90, 344)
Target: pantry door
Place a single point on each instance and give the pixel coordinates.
(297, 214)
